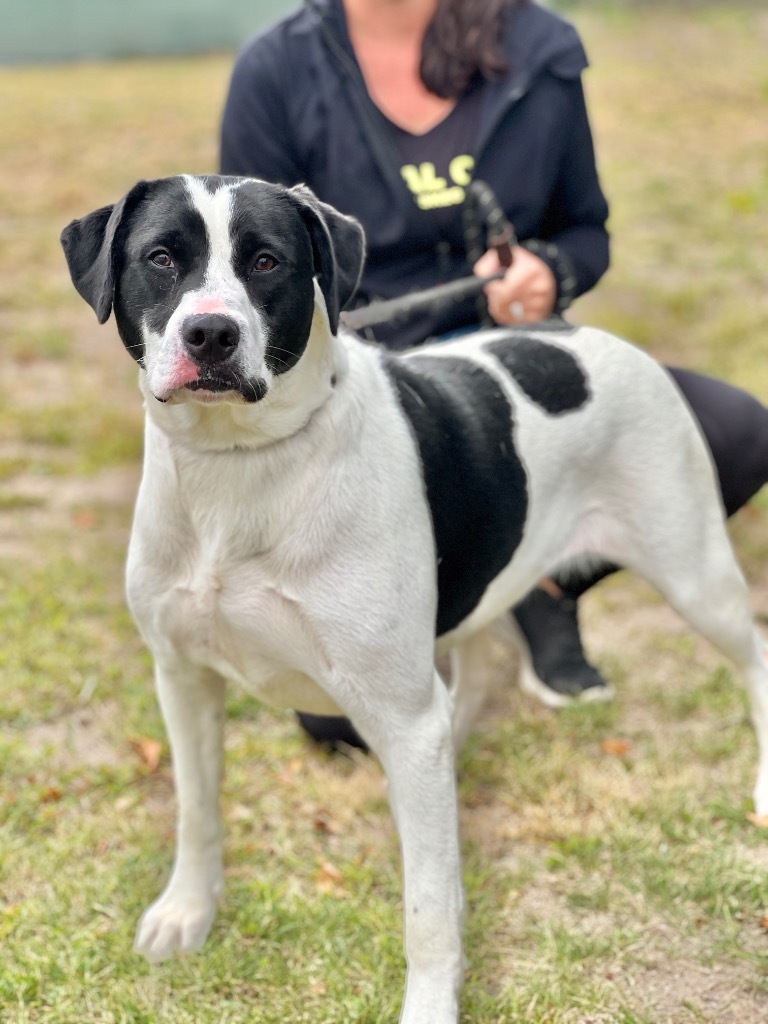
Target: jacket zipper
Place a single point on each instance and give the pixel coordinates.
(369, 115)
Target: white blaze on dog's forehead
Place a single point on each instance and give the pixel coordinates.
(216, 210)
(220, 282)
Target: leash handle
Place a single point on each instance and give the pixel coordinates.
(486, 226)
(483, 210)
(503, 244)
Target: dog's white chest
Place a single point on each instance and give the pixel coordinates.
(238, 622)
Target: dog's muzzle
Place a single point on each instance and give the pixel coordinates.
(211, 340)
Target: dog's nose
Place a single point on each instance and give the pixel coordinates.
(210, 337)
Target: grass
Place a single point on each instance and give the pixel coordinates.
(612, 876)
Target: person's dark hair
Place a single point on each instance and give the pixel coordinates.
(461, 45)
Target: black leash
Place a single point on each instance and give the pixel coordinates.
(431, 298)
(485, 227)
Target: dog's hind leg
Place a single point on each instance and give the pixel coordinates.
(695, 570)
(726, 620)
(757, 681)
(473, 674)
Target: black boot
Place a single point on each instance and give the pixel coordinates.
(554, 667)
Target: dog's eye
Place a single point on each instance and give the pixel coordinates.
(161, 258)
(263, 263)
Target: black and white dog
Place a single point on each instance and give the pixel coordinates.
(314, 512)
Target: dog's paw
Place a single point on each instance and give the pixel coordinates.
(175, 923)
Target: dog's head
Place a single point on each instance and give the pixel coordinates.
(212, 279)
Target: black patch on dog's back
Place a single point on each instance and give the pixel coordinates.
(474, 480)
(549, 375)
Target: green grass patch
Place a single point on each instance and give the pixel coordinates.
(16, 502)
(64, 631)
(80, 437)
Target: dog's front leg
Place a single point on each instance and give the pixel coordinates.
(417, 756)
(192, 702)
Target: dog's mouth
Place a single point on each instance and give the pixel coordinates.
(216, 384)
(251, 389)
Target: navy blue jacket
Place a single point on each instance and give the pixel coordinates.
(298, 111)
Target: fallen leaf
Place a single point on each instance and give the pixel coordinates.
(84, 520)
(764, 922)
(100, 908)
(761, 820)
(330, 872)
(51, 795)
(323, 822)
(328, 880)
(289, 771)
(616, 747)
(149, 752)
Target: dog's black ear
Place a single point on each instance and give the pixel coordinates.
(338, 246)
(89, 246)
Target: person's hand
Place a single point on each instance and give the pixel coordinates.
(526, 293)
